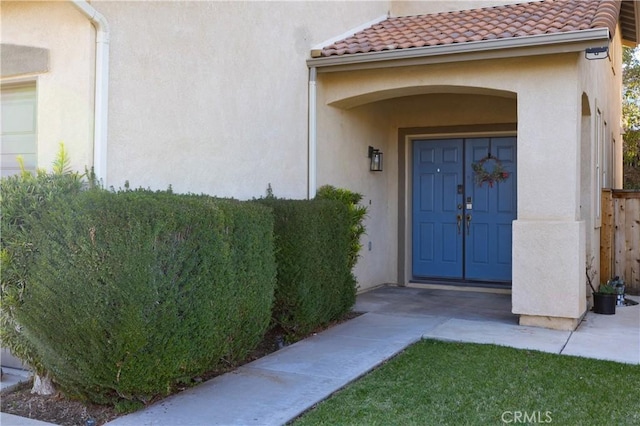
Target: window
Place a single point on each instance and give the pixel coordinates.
(18, 127)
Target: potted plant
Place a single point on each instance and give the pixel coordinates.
(604, 299)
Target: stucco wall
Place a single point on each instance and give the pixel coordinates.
(204, 96)
(212, 96)
(65, 91)
(605, 98)
(417, 7)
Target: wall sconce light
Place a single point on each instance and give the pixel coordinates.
(376, 159)
(592, 53)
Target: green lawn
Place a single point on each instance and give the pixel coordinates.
(442, 383)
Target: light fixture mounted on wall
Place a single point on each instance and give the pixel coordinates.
(376, 159)
(592, 53)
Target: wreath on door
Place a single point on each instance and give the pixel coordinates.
(482, 174)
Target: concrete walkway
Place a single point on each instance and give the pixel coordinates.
(281, 386)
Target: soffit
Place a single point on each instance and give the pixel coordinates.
(629, 21)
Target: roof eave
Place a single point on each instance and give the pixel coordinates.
(542, 44)
(630, 23)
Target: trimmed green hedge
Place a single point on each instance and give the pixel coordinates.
(122, 296)
(357, 214)
(24, 198)
(314, 280)
(133, 292)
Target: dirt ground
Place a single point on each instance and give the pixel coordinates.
(59, 410)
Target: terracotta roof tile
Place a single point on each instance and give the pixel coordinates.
(499, 22)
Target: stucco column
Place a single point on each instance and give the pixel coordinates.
(548, 240)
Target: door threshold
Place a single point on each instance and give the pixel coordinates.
(480, 287)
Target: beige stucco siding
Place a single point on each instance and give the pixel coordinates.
(65, 91)
(601, 85)
(204, 96)
(212, 96)
(417, 7)
(548, 272)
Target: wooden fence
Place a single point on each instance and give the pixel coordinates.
(620, 237)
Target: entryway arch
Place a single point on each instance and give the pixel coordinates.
(375, 117)
(445, 113)
(351, 100)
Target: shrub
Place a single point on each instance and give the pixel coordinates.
(253, 259)
(133, 292)
(314, 282)
(357, 214)
(23, 199)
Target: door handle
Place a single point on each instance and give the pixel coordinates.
(459, 222)
(468, 224)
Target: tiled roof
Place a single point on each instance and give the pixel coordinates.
(491, 23)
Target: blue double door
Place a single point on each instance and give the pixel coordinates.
(462, 227)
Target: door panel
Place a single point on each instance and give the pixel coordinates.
(437, 242)
(488, 253)
(462, 230)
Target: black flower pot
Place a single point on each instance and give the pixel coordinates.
(604, 303)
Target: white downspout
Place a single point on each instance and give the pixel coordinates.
(101, 88)
(311, 190)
